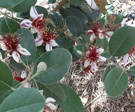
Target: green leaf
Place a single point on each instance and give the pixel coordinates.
(132, 70)
(42, 10)
(74, 25)
(53, 90)
(122, 41)
(57, 19)
(116, 82)
(24, 6)
(118, 19)
(109, 12)
(6, 78)
(79, 50)
(85, 37)
(16, 66)
(76, 2)
(9, 26)
(4, 94)
(23, 100)
(65, 42)
(104, 43)
(58, 62)
(108, 69)
(28, 43)
(85, 8)
(9, 3)
(72, 102)
(78, 13)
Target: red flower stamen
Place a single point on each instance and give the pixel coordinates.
(95, 29)
(11, 42)
(19, 78)
(132, 51)
(92, 55)
(48, 35)
(39, 23)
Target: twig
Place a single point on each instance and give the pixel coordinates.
(8, 16)
(28, 77)
(60, 5)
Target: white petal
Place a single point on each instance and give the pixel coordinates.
(3, 47)
(93, 67)
(33, 13)
(110, 33)
(33, 30)
(92, 4)
(47, 110)
(41, 91)
(26, 24)
(86, 63)
(92, 37)
(53, 43)
(49, 99)
(87, 52)
(102, 59)
(23, 51)
(38, 41)
(101, 36)
(23, 74)
(16, 56)
(51, 106)
(125, 58)
(27, 85)
(48, 47)
(100, 50)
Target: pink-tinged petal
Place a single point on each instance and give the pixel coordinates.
(26, 24)
(93, 67)
(51, 106)
(48, 47)
(53, 43)
(92, 37)
(27, 85)
(23, 51)
(100, 51)
(23, 74)
(89, 32)
(102, 59)
(125, 58)
(3, 47)
(101, 36)
(49, 100)
(110, 33)
(39, 41)
(33, 30)
(41, 16)
(86, 63)
(46, 110)
(87, 53)
(33, 13)
(41, 91)
(16, 56)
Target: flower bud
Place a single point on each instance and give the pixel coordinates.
(41, 67)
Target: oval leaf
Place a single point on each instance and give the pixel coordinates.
(53, 90)
(118, 19)
(74, 25)
(29, 44)
(76, 2)
(116, 82)
(23, 100)
(132, 70)
(9, 3)
(58, 62)
(72, 102)
(24, 6)
(6, 78)
(9, 26)
(122, 41)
